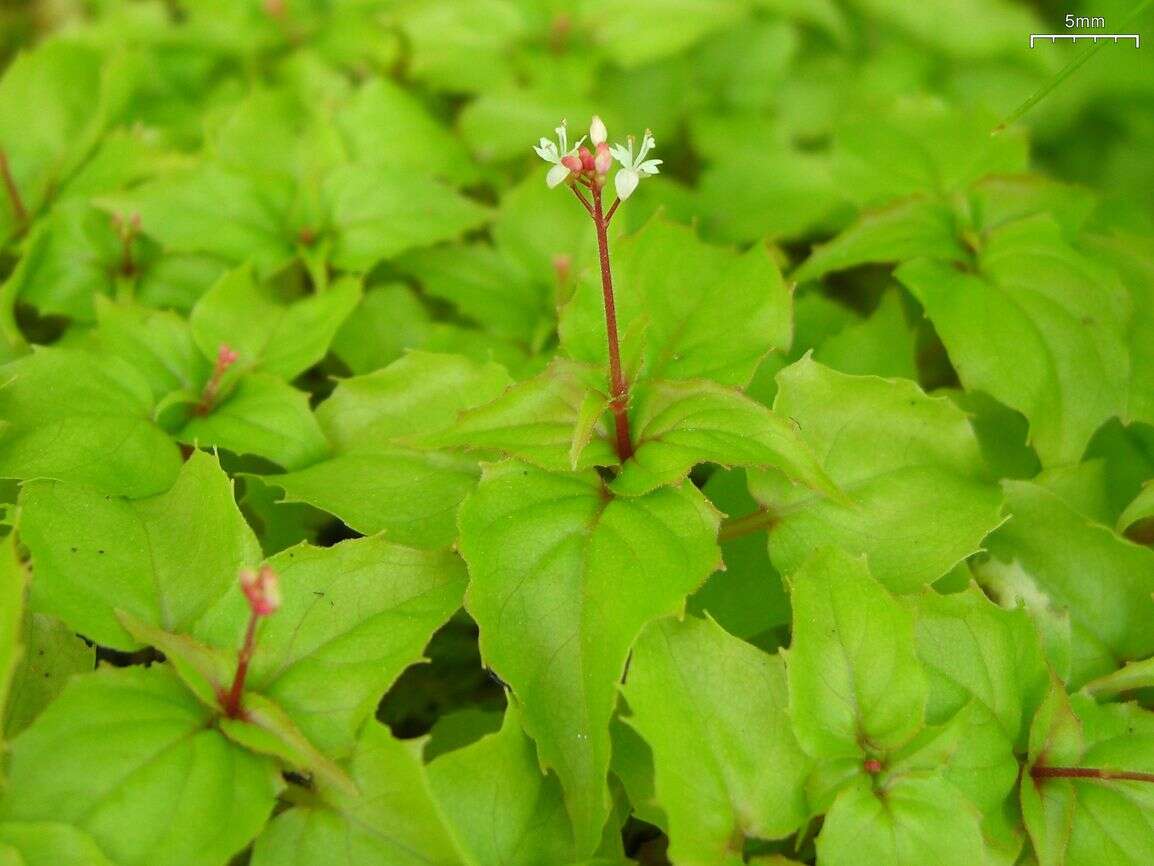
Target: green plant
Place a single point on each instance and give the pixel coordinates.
(365, 500)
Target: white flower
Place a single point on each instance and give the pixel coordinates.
(556, 153)
(597, 131)
(633, 168)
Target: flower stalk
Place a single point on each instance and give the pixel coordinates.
(225, 358)
(579, 167)
(262, 590)
(618, 386)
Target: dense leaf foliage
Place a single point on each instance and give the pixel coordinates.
(773, 486)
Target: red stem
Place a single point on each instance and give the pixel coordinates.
(231, 701)
(1090, 773)
(619, 402)
(612, 210)
(18, 209)
(584, 201)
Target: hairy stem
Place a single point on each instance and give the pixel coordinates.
(17, 203)
(231, 701)
(761, 520)
(619, 398)
(1090, 773)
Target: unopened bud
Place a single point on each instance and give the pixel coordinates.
(262, 589)
(586, 159)
(226, 356)
(597, 131)
(572, 162)
(603, 159)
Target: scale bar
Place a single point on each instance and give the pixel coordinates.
(1074, 37)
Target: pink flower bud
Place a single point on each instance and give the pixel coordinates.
(602, 160)
(586, 159)
(573, 163)
(226, 356)
(262, 589)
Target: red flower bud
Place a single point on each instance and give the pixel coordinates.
(603, 160)
(262, 589)
(573, 163)
(586, 159)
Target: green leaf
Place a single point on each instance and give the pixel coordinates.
(393, 821)
(648, 30)
(1130, 677)
(544, 551)
(264, 416)
(462, 46)
(919, 146)
(83, 419)
(677, 425)
(283, 340)
(1048, 806)
(972, 752)
(47, 843)
(1137, 521)
(166, 790)
(164, 559)
(1112, 818)
(540, 421)
(855, 683)
(52, 656)
(908, 229)
(486, 285)
(211, 209)
(1103, 582)
(378, 213)
(909, 463)
(54, 103)
(267, 729)
(71, 259)
(206, 671)
(910, 822)
(687, 309)
(1130, 257)
(1040, 327)
(487, 804)
(882, 345)
(353, 617)
(387, 125)
(157, 344)
(714, 711)
(375, 482)
(389, 320)
(502, 809)
(13, 586)
(971, 649)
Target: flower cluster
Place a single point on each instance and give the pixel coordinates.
(577, 163)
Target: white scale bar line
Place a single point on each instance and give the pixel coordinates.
(1074, 37)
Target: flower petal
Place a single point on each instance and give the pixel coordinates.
(556, 175)
(626, 181)
(597, 131)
